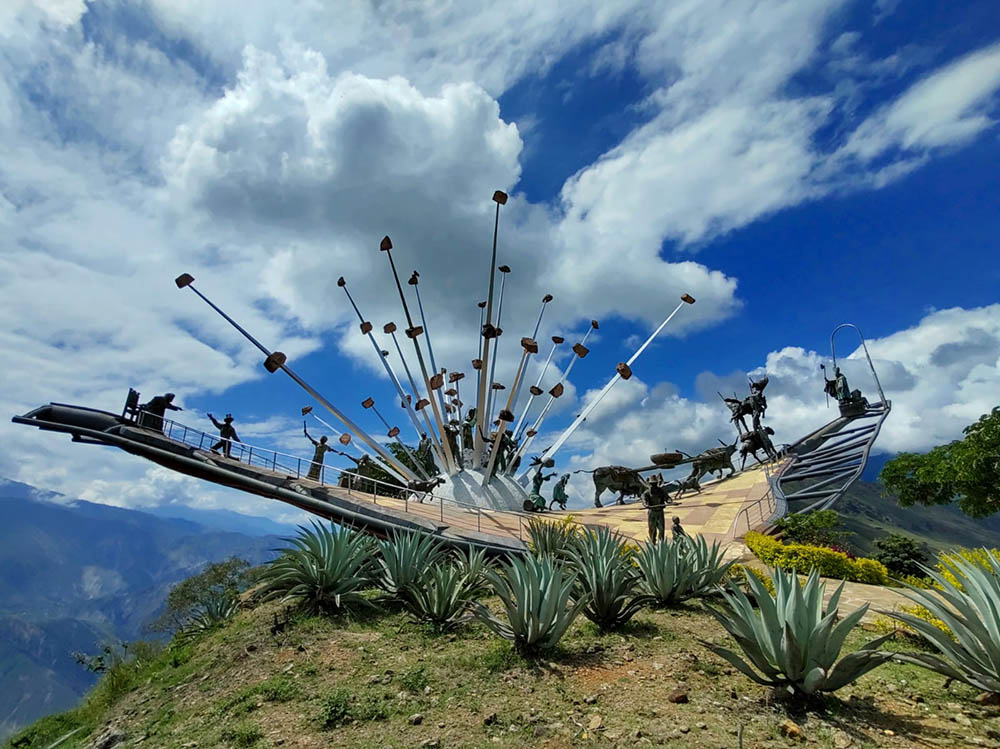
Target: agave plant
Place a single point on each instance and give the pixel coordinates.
(546, 537)
(967, 601)
(536, 593)
(669, 572)
(606, 578)
(442, 597)
(403, 558)
(793, 642)
(473, 564)
(324, 571)
(217, 610)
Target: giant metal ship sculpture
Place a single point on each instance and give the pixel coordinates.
(467, 481)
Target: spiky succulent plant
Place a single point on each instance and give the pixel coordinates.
(474, 564)
(966, 599)
(673, 571)
(548, 537)
(606, 578)
(536, 593)
(442, 597)
(403, 558)
(793, 641)
(214, 612)
(325, 569)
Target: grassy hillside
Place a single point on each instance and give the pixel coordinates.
(379, 680)
(868, 515)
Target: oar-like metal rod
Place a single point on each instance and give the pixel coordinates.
(496, 349)
(500, 198)
(413, 332)
(534, 336)
(580, 351)
(390, 328)
(482, 321)
(624, 371)
(529, 347)
(393, 433)
(535, 389)
(415, 283)
(276, 360)
(366, 328)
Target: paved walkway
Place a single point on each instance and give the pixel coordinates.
(710, 513)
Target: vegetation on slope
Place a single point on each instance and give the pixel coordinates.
(373, 675)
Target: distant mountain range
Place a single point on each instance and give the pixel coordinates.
(76, 574)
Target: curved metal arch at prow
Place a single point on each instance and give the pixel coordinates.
(824, 464)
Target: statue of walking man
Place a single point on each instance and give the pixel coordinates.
(654, 500)
(316, 466)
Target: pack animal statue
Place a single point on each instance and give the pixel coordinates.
(423, 488)
(753, 406)
(679, 487)
(758, 439)
(626, 481)
(713, 460)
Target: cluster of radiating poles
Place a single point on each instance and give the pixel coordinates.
(434, 411)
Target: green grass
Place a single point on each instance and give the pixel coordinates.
(357, 682)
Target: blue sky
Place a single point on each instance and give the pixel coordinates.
(793, 165)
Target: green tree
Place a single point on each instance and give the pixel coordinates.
(188, 597)
(900, 554)
(816, 528)
(966, 471)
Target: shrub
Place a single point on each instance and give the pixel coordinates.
(220, 580)
(415, 680)
(969, 610)
(121, 667)
(978, 557)
(535, 592)
(738, 575)
(242, 734)
(900, 554)
(606, 578)
(807, 558)
(324, 572)
(335, 707)
(792, 642)
(673, 571)
(816, 528)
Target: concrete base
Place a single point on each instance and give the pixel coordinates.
(502, 493)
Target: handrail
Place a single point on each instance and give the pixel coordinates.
(244, 452)
(768, 498)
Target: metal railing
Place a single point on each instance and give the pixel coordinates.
(758, 513)
(451, 512)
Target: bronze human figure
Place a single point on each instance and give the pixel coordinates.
(228, 434)
(151, 413)
(316, 466)
(559, 495)
(654, 497)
